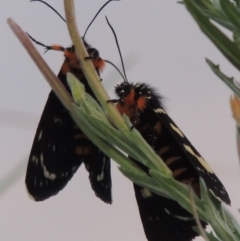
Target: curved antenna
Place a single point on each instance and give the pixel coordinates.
(51, 8)
(97, 15)
(115, 36)
(109, 62)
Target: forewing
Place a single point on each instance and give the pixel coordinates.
(59, 148)
(99, 167)
(162, 218)
(52, 160)
(192, 155)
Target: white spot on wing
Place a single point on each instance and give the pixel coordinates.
(215, 195)
(41, 157)
(160, 111)
(179, 217)
(183, 218)
(57, 120)
(40, 135)
(199, 158)
(74, 168)
(176, 129)
(101, 176)
(46, 173)
(167, 211)
(35, 159)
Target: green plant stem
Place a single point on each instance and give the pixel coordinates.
(52, 79)
(88, 68)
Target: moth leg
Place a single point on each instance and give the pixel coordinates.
(114, 101)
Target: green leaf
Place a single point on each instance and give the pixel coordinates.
(227, 80)
(237, 3)
(213, 10)
(145, 180)
(236, 38)
(88, 115)
(93, 118)
(221, 41)
(232, 222)
(211, 236)
(179, 192)
(231, 12)
(211, 206)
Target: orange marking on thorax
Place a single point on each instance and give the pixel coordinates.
(141, 103)
(71, 62)
(99, 63)
(128, 105)
(129, 99)
(70, 55)
(65, 68)
(125, 109)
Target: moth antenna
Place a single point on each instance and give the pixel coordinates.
(51, 8)
(35, 41)
(97, 15)
(109, 62)
(115, 36)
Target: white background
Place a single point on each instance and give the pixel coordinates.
(166, 49)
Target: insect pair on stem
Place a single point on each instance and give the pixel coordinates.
(60, 147)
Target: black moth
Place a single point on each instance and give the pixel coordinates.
(60, 147)
(164, 219)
